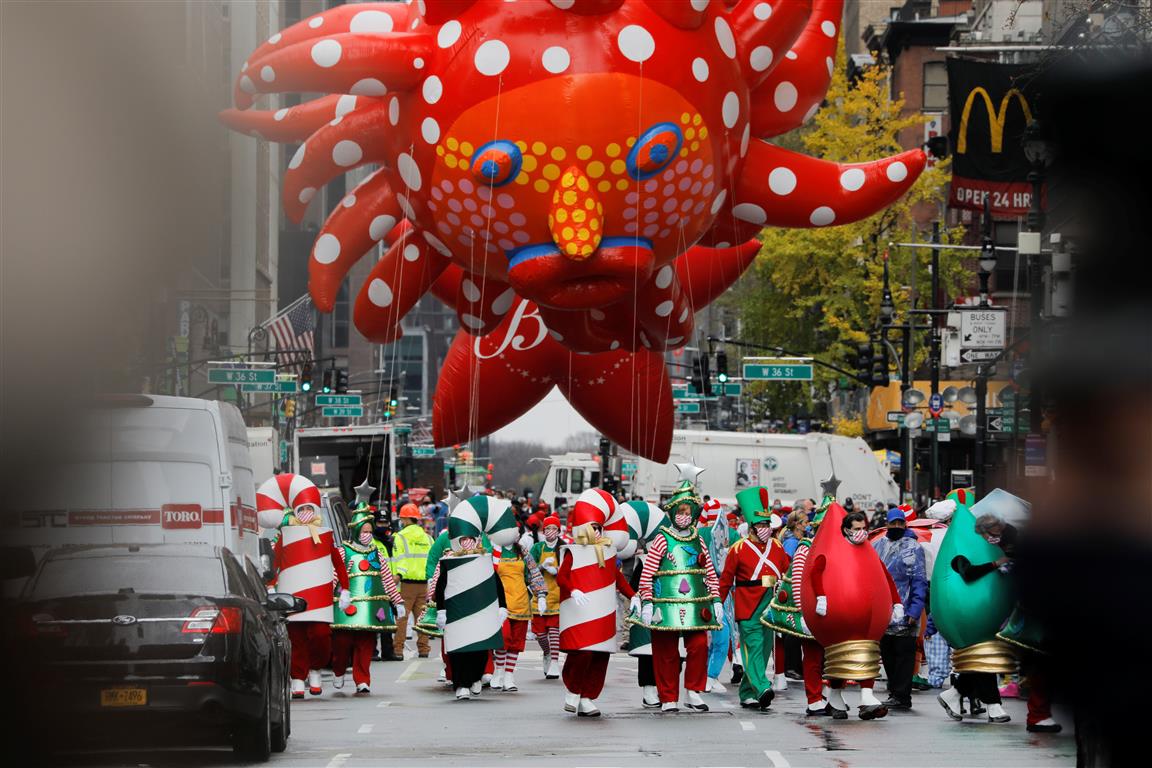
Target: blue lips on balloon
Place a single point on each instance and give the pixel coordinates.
(518, 256)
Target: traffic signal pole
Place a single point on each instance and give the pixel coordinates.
(934, 357)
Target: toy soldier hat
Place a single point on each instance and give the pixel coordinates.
(685, 494)
(756, 506)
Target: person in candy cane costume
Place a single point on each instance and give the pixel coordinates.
(589, 579)
(469, 597)
(305, 557)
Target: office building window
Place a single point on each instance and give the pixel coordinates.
(340, 318)
(935, 87)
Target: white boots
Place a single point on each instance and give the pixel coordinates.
(950, 700)
(462, 694)
(338, 682)
(571, 701)
(297, 689)
(996, 714)
(669, 706)
(497, 683)
(509, 683)
(781, 683)
(714, 686)
(587, 708)
(362, 688)
(477, 687)
(314, 682)
(651, 697)
(693, 701)
(552, 670)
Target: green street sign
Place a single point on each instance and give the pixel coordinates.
(402, 429)
(241, 375)
(285, 384)
(780, 370)
(679, 392)
(733, 389)
(628, 467)
(342, 411)
(339, 400)
(423, 450)
(937, 425)
(688, 407)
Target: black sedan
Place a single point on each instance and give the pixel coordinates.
(135, 642)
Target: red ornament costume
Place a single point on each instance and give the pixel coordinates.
(588, 580)
(305, 559)
(848, 599)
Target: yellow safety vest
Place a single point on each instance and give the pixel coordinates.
(410, 549)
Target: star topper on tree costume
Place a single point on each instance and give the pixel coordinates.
(567, 154)
(680, 597)
(303, 560)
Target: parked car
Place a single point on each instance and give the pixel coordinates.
(178, 639)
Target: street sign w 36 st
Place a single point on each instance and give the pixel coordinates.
(778, 370)
(241, 375)
(342, 411)
(339, 400)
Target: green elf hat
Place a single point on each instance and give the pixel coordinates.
(755, 505)
(685, 494)
(359, 517)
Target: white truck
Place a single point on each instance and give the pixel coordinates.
(569, 475)
(264, 448)
(790, 466)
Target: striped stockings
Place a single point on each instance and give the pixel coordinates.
(505, 661)
(550, 644)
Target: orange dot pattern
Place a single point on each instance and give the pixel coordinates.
(576, 218)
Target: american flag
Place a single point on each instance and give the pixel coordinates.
(293, 329)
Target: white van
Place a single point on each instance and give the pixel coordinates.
(569, 475)
(149, 469)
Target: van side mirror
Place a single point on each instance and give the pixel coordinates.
(284, 602)
(16, 563)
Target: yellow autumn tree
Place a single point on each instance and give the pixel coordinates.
(818, 291)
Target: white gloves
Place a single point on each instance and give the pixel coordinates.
(441, 619)
(401, 611)
(718, 612)
(898, 613)
(549, 568)
(541, 604)
(822, 605)
(579, 597)
(345, 599)
(503, 614)
(634, 604)
(646, 613)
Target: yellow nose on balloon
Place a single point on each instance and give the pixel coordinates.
(576, 218)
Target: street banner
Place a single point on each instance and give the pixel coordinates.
(747, 473)
(991, 105)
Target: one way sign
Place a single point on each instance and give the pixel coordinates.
(978, 355)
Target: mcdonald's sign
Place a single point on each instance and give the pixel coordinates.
(990, 106)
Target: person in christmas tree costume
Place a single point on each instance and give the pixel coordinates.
(524, 590)
(304, 557)
(680, 598)
(468, 595)
(784, 614)
(752, 568)
(589, 579)
(645, 520)
(374, 598)
(971, 598)
(546, 616)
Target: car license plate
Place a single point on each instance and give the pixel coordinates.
(123, 697)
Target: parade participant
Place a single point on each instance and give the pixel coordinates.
(971, 599)
(410, 547)
(546, 617)
(304, 555)
(718, 536)
(900, 551)
(374, 597)
(524, 589)
(644, 522)
(848, 599)
(751, 570)
(469, 596)
(589, 579)
(784, 614)
(680, 599)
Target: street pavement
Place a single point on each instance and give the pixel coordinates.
(411, 720)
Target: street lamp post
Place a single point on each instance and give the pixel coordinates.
(1038, 154)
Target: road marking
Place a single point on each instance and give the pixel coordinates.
(748, 725)
(339, 760)
(406, 675)
(383, 704)
(366, 728)
(777, 759)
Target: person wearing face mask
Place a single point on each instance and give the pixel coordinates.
(546, 622)
(374, 598)
(848, 601)
(680, 597)
(902, 555)
(752, 568)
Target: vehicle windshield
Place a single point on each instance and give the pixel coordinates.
(140, 574)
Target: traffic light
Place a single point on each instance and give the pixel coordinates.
(879, 373)
(341, 381)
(306, 377)
(722, 366)
(289, 408)
(697, 379)
(327, 387)
(864, 362)
(393, 399)
(706, 376)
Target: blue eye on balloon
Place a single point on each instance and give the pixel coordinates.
(654, 150)
(496, 163)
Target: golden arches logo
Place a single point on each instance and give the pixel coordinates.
(995, 118)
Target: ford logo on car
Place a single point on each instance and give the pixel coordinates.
(123, 620)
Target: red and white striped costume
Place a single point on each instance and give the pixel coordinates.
(657, 550)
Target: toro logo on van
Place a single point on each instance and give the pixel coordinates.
(181, 516)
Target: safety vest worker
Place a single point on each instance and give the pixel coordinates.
(410, 549)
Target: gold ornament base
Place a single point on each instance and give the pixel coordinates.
(991, 656)
(853, 660)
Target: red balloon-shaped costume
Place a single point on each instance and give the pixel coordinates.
(571, 153)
